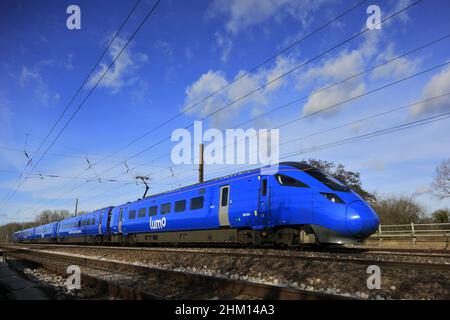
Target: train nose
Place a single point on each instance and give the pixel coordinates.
(361, 221)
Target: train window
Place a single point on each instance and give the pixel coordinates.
(87, 222)
(79, 223)
(132, 214)
(224, 201)
(142, 212)
(327, 180)
(289, 181)
(165, 208)
(153, 210)
(264, 187)
(180, 206)
(93, 221)
(196, 203)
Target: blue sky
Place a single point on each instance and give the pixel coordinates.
(185, 51)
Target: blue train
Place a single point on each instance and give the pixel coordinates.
(299, 204)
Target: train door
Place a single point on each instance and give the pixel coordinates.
(120, 220)
(108, 223)
(100, 223)
(263, 206)
(224, 204)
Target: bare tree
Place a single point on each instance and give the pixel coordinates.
(48, 216)
(399, 210)
(441, 216)
(350, 178)
(441, 182)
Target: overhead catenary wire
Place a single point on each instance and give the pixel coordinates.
(268, 83)
(277, 78)
(100, 58)
(244, 74)
(380, 88)
(402, 10)
(340, 103)
(358, 138)
(366, 136)
(87, 96)
(403, 126)
(304, 97)
(376, 115)
(72, 155)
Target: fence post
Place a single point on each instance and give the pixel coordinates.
(413, 235)
(380, 238)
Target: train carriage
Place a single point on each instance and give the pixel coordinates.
(17, 236)
(27, 235)
(296, 204)
(45, 233)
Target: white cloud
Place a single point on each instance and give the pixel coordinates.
(244, 14)
(348, 63)
(32, 77)
(164, 47)
(225, 43)
(343, 65)
(208, 83)
(69, 63)
(213, 81)
(188, 53)
(399, 5)
(27, 75)
(439, 84)
(399, 68)
(332, 96)
(421, 190)
(122, 73)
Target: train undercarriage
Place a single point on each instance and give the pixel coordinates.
(291, 236)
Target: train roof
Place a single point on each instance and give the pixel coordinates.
(298, 165)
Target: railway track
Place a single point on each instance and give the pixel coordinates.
(286, 274)
(395, 258)
(99, 271)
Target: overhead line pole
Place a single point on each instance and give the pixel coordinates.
(76, 206)
(254, 68)
(201, 173)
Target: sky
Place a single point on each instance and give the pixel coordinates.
(186, 51)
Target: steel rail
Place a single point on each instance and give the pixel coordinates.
(236, 287)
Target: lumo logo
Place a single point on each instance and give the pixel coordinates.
(158, 223)
(237, 146)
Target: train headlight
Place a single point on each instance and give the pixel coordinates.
(332, 197)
